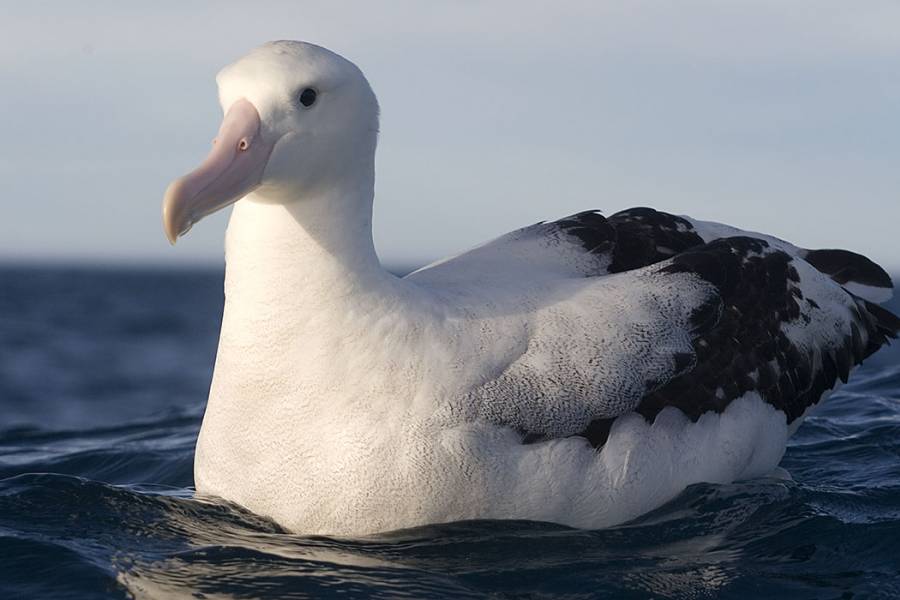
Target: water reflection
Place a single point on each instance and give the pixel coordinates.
(695, 547)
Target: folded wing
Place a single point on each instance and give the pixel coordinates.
(646, 310)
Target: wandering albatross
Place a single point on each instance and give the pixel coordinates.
(580, 371)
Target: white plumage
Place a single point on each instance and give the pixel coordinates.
(561, 372)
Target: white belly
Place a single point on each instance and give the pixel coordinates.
(343, 476)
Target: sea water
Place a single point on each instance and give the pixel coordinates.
(103, 379)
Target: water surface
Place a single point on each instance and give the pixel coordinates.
(103, 377)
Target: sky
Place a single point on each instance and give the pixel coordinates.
(782, 117)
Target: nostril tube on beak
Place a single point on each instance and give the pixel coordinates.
(233, 169)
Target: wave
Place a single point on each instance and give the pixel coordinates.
(757, 537)
(102, 388)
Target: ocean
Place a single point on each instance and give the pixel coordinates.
(103, 379)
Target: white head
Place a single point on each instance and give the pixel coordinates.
(298, 118)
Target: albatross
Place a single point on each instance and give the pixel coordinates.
(581, 371)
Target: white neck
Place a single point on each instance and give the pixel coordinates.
(304, 292)
(305, 255)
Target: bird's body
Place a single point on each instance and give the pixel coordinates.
(581, 371)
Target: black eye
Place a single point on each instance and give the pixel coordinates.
(308, 97)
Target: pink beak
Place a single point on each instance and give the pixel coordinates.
(233, 169)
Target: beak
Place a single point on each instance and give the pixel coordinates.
(233, 169)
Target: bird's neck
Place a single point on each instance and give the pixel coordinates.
(309, 312)
(309, 256)
(307, 307)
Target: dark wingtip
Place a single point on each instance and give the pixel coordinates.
(888, 322)
(845, 267)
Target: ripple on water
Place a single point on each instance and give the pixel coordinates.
(102, 396)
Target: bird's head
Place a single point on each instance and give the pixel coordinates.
(298, 118)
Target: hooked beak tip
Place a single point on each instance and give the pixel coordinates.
(233, 168)
(172, 212)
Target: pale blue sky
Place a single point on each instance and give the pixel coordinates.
(770, 115)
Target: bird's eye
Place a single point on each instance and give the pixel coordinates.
(308, 97)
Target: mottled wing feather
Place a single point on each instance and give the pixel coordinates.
(767, 317)
(587, 244)
(596, 351)
(786, 332)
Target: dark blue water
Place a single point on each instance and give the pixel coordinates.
(103, 377)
